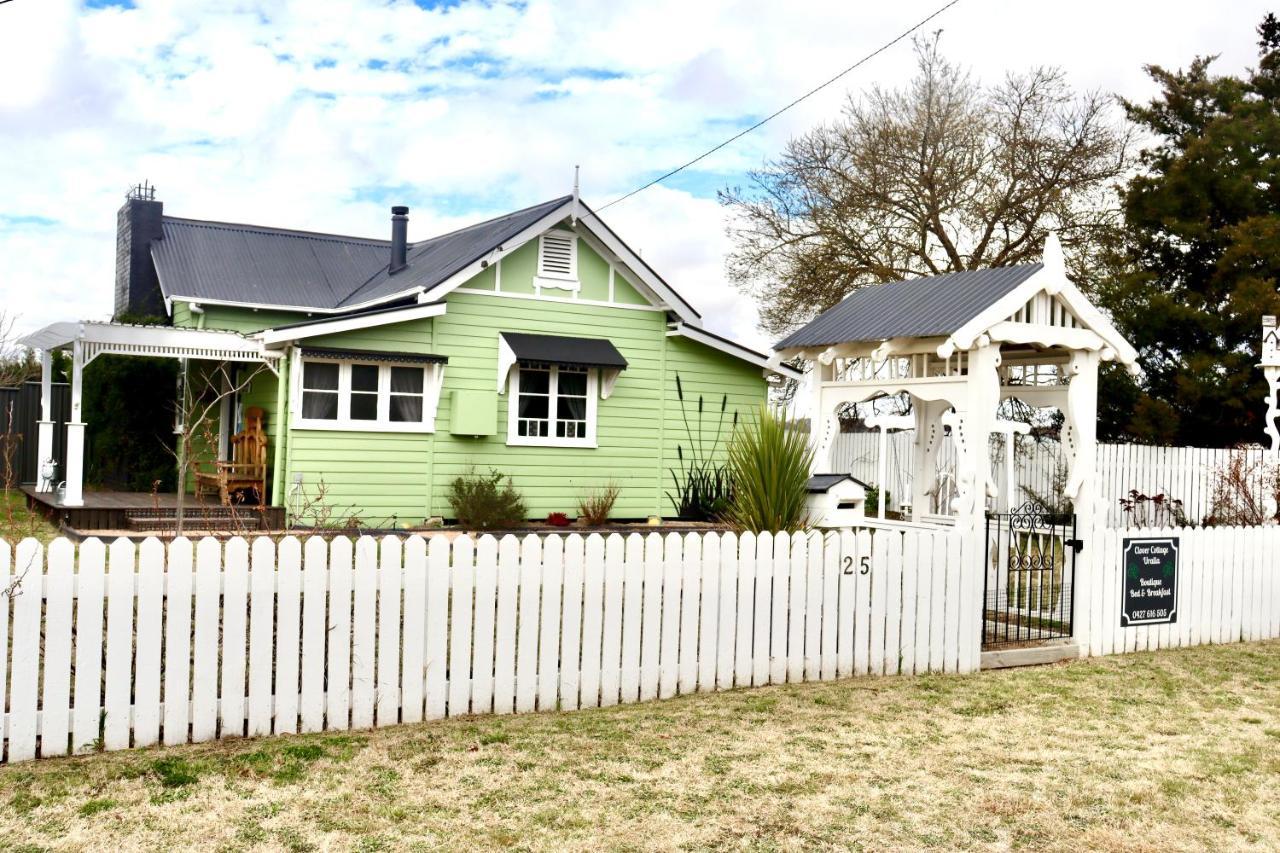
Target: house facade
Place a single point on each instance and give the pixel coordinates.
(536, 344)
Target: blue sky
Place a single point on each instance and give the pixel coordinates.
(321, 114)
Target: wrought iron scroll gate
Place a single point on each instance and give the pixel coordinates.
(1030, 572)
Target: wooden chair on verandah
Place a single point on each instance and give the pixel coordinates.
(247, 468)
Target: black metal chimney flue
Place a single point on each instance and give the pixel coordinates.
(399, 237)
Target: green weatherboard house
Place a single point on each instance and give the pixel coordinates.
(537, 344)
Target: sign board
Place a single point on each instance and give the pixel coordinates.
(1149, 595)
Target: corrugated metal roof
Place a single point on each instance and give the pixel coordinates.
(433, 261)
(918, 308)
(275, 266)
(262, 266)
(560, 349)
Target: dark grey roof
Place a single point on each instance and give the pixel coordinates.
(262, 266)
(557, 349)
(376, 355)
(433, 261)
(275, 266)
(822, 483)
(921, 307)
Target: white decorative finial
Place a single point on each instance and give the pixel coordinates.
(574, 216)
(1054, 266)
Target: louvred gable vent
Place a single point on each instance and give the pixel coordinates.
(556, 256)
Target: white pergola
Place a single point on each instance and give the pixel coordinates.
(1041, 341)
(87, 341)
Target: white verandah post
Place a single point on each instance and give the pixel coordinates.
(75, 431)
(44, 439)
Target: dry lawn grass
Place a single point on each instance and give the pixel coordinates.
(1164, 751)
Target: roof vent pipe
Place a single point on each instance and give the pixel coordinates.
(399, 237)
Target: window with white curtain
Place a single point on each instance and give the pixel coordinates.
(552, 405)
(355, 394)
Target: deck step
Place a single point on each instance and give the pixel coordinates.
(219, 518)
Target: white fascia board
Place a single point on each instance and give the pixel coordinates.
(639, 268)
(736, 350)
(1044, 280)
(258, 306)
(275, 337)
(468, 272)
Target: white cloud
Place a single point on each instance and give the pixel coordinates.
(318, 113)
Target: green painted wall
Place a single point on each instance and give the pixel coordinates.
(403, 478)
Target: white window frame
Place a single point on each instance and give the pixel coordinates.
(432, 380)
(554, 278)
(551, 439)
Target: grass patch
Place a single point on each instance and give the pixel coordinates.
(1183, 746)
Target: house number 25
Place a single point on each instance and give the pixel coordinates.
(864, 567)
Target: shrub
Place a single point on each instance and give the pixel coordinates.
(769, 459)
(486, 501)
(595, 508)
(558, 519)
(703, 487)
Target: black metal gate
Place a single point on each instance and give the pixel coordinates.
(1030, 569)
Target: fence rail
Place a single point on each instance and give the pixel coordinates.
(123, 645)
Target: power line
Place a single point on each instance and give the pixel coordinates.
(774, 115)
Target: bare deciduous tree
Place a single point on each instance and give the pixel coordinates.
(942, 176)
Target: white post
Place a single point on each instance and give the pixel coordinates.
(925, 455)
(45, 481)
(75, 432)
(1271, 370)
(822, 423)
(1082, 482)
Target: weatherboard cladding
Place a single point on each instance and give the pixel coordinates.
(918, 308)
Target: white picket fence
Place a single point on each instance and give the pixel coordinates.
(119, 646)
(1228, 590)
(1187, 474)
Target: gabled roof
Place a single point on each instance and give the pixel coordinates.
(919, 308)
(433, 261)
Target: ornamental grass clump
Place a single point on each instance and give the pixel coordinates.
(702, 485)
(769, 460)
(486, 501)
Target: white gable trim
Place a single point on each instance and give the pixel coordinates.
(1048, 281)
(274, 337)
(639, 268)
(736, 350)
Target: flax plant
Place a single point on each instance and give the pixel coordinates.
(769, 459)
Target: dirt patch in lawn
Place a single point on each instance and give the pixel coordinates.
(1160, 751)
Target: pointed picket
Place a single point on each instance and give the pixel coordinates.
(414, 634)
(527, 626)
(879, 576)
(632, 618)
(892, 577)
(90, 598)
(24, 687)
(709, 615)
(617, 574)
(571, 627)
(462, 582)
(797, 594)
(205, 640)
(830, 604)
(937, 602)
(846, 590)
(177, 642)
(387, 691)
(482, 651)
(593, 613)
(338, 677)
(910, 574)
(813, 608)
(552, 583)
(288, 634)
(148, 643)
(745, 621)
(651, 630)
(364, 631)
(924, 602)
(780, 600)
(762, 615)
(955, 599)
(862, 609)
(119, 672)
(504, 677)
(669, 642)
(437, 642)
(55, 702)
(315, 582)
(690, 597)
(262, 601)
(726, 635)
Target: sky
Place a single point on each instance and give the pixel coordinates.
(321, 114)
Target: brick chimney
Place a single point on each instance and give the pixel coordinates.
(138, 223)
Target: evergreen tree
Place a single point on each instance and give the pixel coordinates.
(1202, 255)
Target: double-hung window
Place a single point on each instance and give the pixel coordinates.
(553, 404)
(358, 394)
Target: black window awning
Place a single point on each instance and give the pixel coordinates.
(557, 349)
(374, 355)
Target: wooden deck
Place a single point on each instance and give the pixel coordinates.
(108, 510)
